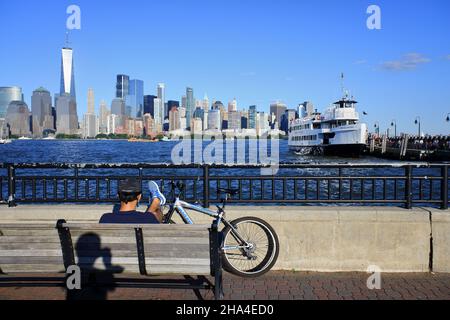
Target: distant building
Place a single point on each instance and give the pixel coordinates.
(7, 95)
(148, 125)
(205, 102)
(234, 120)
(252, 117)
(190, 104)
(172, 104)
(18, 119)
(174, 119)
(90, 126)
(42, 112)
(305, 109)
(122, 86)
(67, 74)
(158, 113)
(112, 124)
(214, 120)
(134, 100)
(232, 106)
(278, 109)
(161, 93)
(66, 115)
(197, 126)
(104, 112)
(149, 104)
(262, 123)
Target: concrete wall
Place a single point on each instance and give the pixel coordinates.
(315, 238)
(441, 240)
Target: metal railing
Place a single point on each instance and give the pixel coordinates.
(319, 184)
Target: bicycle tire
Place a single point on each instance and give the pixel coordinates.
(235, 263)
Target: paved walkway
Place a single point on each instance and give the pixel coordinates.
(273, 286)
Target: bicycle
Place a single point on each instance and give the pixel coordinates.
(250, 244)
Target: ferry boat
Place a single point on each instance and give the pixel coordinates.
(336, 132)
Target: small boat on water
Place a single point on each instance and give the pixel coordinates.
(24, 138)
(49, 138)
(5, 141)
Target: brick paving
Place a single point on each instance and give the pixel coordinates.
(272, 286)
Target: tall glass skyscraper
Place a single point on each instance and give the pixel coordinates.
(42, 113)
(122, 86)
(135, 98)
(8, 94)
(161, 90)
(190, 106)
(252, 117)
(67, 73)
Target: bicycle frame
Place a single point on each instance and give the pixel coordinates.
(179, 206)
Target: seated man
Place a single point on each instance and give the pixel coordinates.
(130, 193)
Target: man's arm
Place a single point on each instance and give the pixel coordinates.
(155, 209)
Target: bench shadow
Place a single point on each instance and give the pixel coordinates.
(96, 282)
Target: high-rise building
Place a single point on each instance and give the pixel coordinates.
(112, 123)
(66, 115)
(262, 123)
(90, 101)
(205, 102)
(158, 113)
(174, 119)
(232, 105)
(67, 73)
(18, 119)
(42, 112)
(197, 126)
(278, 109)
(118, 107)
(104, 112)
(305, 109)
(134, 101)
(90, 126)
(8, 94)
(122, 86)
(161, 93)
(149, 104)
(252, 117)
(234, 120)
(190, 105)
(173, 104)
(214, 120)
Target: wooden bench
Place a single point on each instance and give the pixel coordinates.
(146, 250)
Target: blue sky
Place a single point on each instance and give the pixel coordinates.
(257, 51)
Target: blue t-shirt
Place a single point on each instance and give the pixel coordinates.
(130, 217)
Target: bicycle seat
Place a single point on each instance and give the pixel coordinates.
(228, 191)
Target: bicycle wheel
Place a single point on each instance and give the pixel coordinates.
(259, 256)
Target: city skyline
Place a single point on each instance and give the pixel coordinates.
(390, 83)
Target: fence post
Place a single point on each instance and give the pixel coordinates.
(408, 189)
(11, 186)
(444, 187)
(206, 185)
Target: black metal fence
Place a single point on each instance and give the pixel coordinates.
(318, 184)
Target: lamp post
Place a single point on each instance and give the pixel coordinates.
(394, 124)
(417, 121)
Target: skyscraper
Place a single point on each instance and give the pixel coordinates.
(8, 94)
(18, 118)
(103, 117)
(232, 105)
(122, 86)
(67, 73)
(66, 114)
(161, 92)
(149, 105)
(158, 116)
(90, 101)
(42, 113)
(190, 105)
(205, 102)
(278, 109)
(135, 98)
(252, 117)
(214, 121)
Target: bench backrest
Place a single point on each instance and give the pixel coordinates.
(144, 249)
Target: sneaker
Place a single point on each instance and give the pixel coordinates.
(156, 193)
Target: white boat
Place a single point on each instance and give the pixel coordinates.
(49, 138)
(336, 132)
(24, 138)
(5, 141)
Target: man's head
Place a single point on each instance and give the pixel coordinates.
(130, 190)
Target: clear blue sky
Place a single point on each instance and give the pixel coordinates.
(257, 51)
